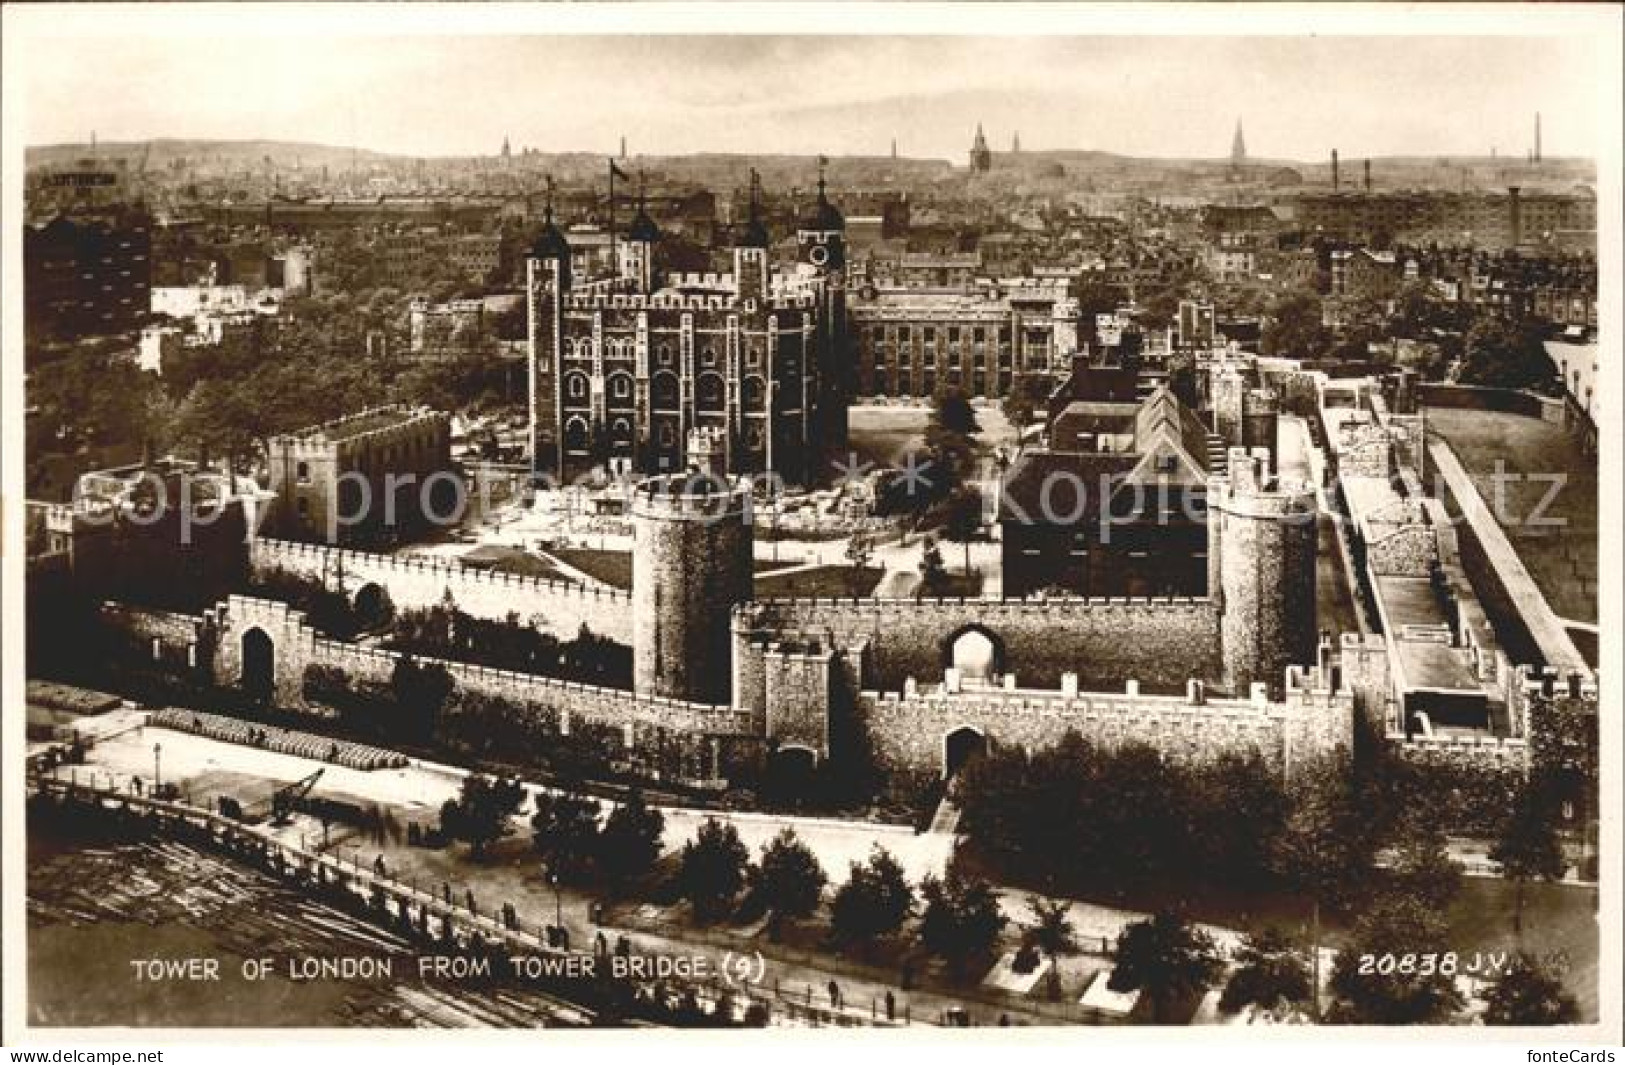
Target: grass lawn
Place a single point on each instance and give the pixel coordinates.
(883, 435)
(612, 567)
(615, 568)
(1562, 557)
(820, 582)
(528, 565)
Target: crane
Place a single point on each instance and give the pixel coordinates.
(284, 798)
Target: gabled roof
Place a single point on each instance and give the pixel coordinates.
(1163, 420)
(1045, 484)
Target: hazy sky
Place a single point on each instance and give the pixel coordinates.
(455, 95)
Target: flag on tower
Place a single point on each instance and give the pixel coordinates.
(617, 172)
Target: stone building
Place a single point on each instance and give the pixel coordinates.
(379, 477)
(622, 367)
(913, 341)
(158, 531)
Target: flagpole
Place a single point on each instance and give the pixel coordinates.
(612, 203)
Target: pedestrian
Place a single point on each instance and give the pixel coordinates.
(891, 1006)
(834, 995)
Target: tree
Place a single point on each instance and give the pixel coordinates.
(713, 869)
(952, 412)
(789, 880)
(1167, 959)
(1295, 328)
(1422, 867)
(875, 900)
(1371, 981)
(1052, 933)
(1027, 393)
(933, 574)
(962, 919)
(963, 518)
(1270, 971)
(1529, 993)
(629, 844)
(1323, 848)
(480, 813)
(1500, 353)
(420, 693)
(1527, 847)
(860, 548)
(565, 833)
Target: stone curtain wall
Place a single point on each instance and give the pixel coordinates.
(297, 647)
(907, 732)
(557, 607)
(1161, 643)
(1503, 583)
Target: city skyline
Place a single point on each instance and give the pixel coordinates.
(675, 95)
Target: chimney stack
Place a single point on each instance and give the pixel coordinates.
(1368, 175)
(1334, 170)
(1537, 136)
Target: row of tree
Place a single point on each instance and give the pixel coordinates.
(446, 631)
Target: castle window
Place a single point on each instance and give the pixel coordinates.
(754, 436)
(302, 472)
(753, 356)
(303, 507)
(709, 392)
(575, 386)
(668, 435)
(620, 386)
(664, 392)
(708, 356)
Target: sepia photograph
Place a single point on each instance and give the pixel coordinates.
(755, 517)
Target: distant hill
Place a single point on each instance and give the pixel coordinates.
(722, 169)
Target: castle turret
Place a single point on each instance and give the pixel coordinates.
(1260, 416)
(690, 566)
(750, 251)
(547, 281)
(1229, 389)
(636, 250)
(1261, 571)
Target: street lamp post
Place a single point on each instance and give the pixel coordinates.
(558, 901)
(157, 778)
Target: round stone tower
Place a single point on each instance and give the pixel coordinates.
(691, 564)
(1261, 556)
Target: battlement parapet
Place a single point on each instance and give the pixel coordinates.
(1033, 604)
(1549, 683)
(697, 496)
(326, 561)
(371, 425)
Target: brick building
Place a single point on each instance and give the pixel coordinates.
(87, 279)
(911, 342)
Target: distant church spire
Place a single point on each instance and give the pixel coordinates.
(506, 152)
(1238, 147)
(1015, 143)
(981, 159)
